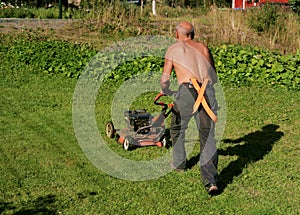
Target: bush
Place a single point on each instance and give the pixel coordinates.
(264, 18)
(245, 66)
(43, 55)
(295, 5)
(236, 65)
(16, 13)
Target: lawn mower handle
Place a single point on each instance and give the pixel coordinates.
(159, 95)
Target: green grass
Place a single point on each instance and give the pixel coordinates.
(44, 171)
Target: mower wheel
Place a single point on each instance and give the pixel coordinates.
(128, 143)
(110, 130)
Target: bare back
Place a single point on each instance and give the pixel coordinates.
(191, 60)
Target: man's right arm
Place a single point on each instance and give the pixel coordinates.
(165, 77)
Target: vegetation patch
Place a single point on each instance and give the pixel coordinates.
(243, 66)
(47, 56)
(236, 65)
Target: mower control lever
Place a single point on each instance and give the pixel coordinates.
(165, 106)
(158, 96)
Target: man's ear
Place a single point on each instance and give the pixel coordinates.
(192, 35)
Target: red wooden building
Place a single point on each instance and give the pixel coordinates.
(243, 4)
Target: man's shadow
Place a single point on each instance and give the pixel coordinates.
(249, 148)
(256, 145)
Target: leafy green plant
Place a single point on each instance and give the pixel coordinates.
(42, 13)
(236, 65)
(136, 67)
(242, 66)
(16, 13)
(52, 57)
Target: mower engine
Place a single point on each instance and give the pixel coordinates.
(137, 119)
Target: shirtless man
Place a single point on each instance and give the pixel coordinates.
(191, 59)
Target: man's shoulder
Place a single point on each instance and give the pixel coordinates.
(175, 45)
(202, 45)
(203, 48)
(174, 48)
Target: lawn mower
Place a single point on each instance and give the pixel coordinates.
(142, 129)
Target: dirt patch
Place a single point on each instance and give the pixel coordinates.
(71, 30)
(9, 25)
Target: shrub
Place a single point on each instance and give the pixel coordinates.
(263, 18)
(16, 13)
(295, 5)
(236, 65)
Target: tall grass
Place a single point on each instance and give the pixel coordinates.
(248, 28)
(273, 29)
(213, 25)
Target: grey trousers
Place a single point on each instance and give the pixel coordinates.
(181, 115)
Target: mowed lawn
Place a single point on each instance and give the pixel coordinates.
(44, 171)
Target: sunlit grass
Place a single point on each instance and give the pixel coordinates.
(43, 169)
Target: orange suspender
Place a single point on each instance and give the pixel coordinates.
(201, 99)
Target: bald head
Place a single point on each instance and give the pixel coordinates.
(185, 29)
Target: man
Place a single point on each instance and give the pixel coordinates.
(192, 60)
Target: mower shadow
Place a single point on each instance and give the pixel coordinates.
(48, 204)
(255, 146)
(4, 206)
(41, 205)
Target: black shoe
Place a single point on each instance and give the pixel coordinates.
(212, 189)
